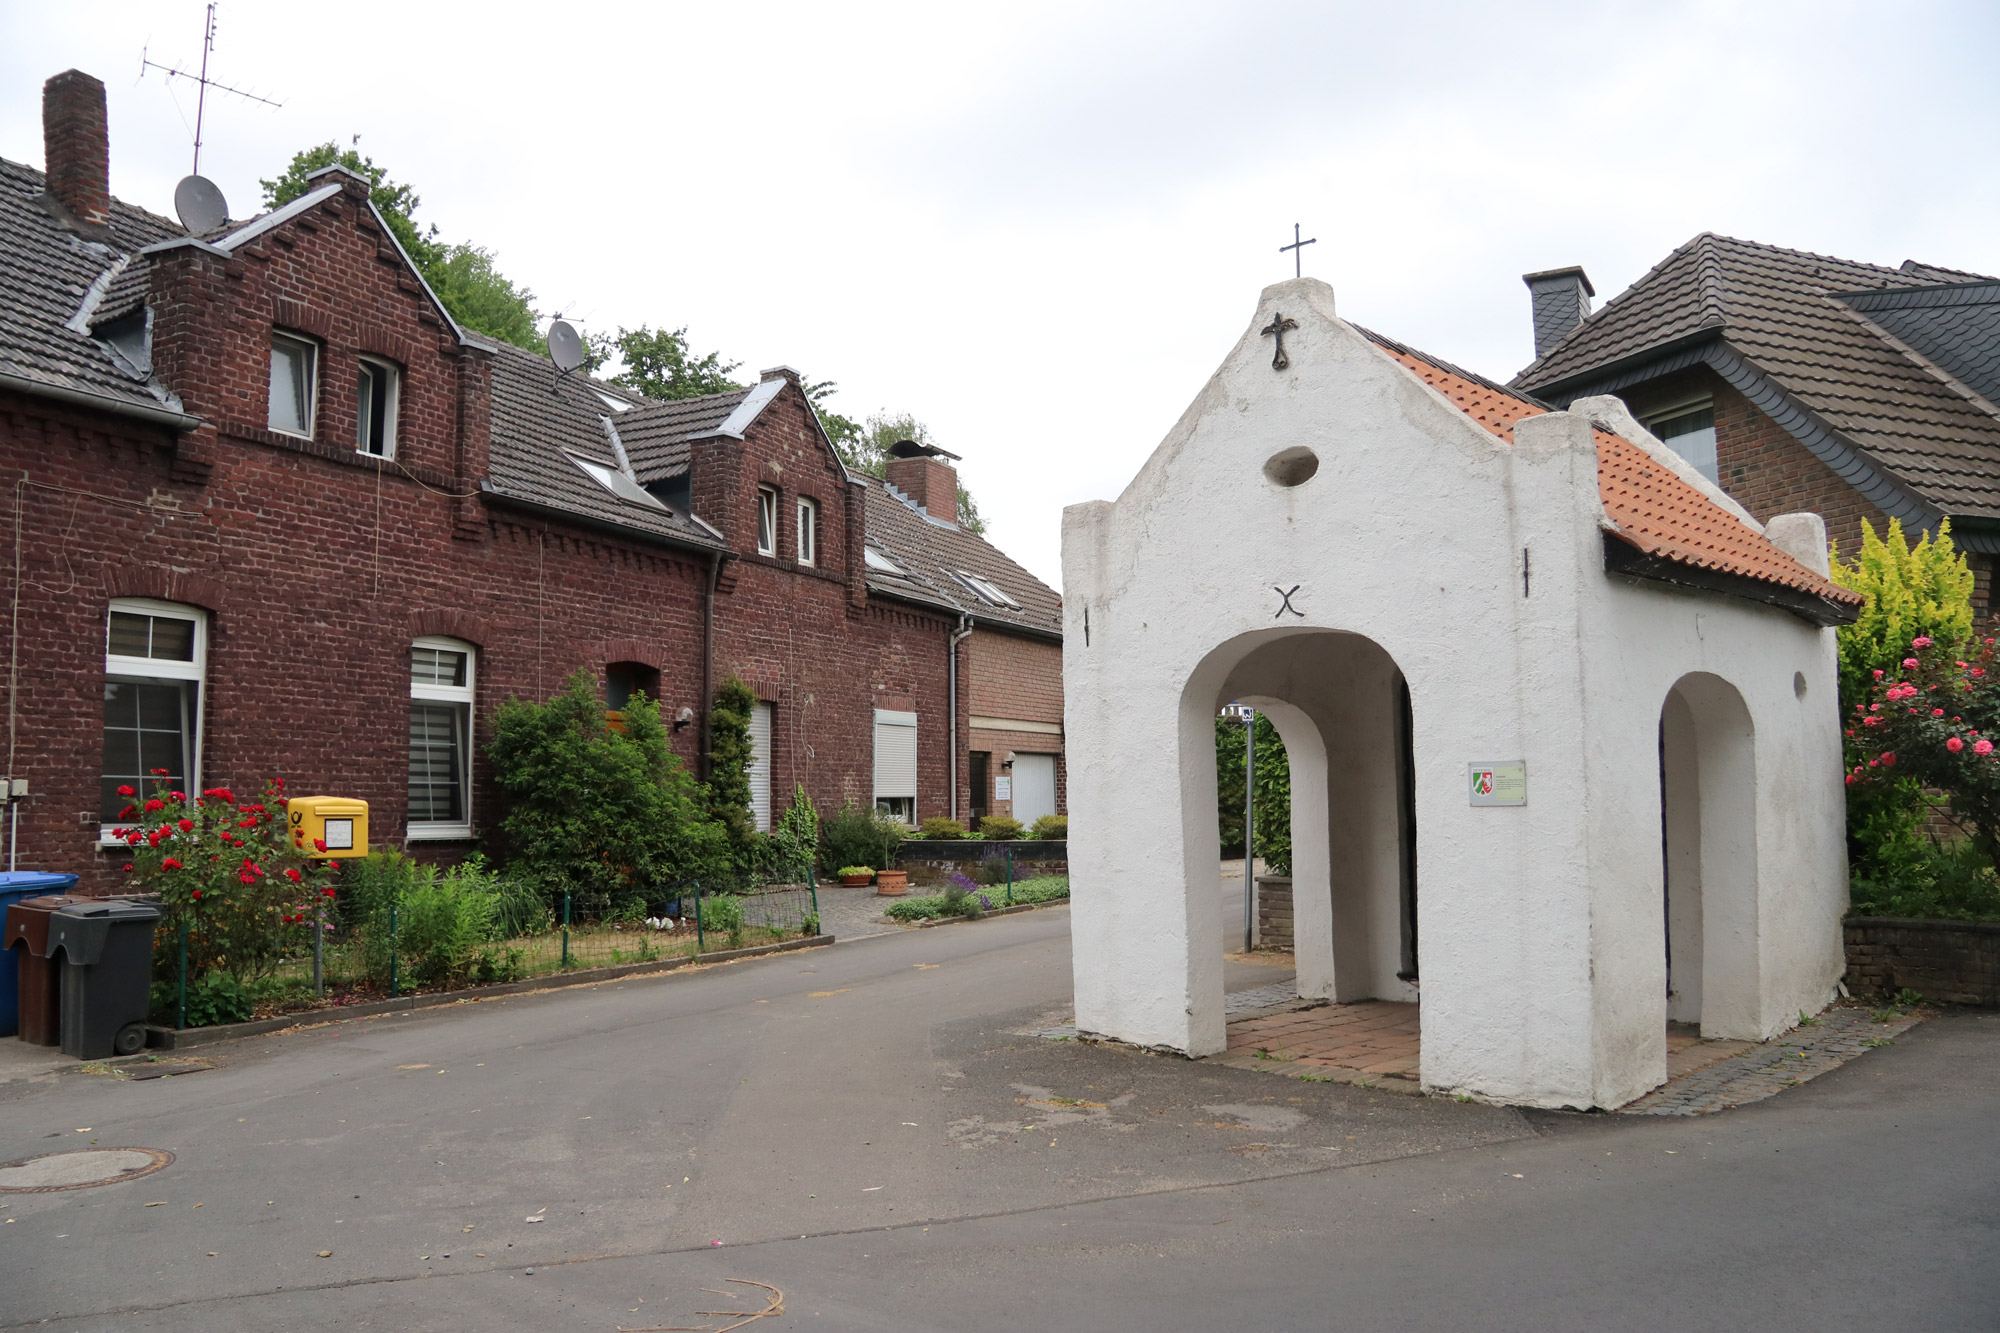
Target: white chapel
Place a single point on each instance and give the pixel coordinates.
(1561, 717)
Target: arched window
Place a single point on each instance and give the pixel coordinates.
(155, 655)
(441, 690)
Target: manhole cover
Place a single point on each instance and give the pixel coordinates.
(80, 1170)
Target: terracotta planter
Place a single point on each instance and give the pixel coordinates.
(892, 883)
(854, 881)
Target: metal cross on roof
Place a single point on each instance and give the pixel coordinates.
(1297, 247)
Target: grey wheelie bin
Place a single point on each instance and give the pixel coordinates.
(107, 977)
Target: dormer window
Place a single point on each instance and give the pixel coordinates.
(375, 406)
(767, 520)
(294, 384)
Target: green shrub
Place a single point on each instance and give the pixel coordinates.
(212, 998)
(1050, 828)
(1273, 792)
(858, 837)
(729, 757)
(999, 828)
(598, 813)
(1952, 881)
(845, 871)
(940, 829)
(722, 914)
(441, 924)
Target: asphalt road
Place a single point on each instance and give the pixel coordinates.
(863, 1127)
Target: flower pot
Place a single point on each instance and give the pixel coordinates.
(854, 881)
(892, 883)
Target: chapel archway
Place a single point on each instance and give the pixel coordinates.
(1708, 837)
(1341, 706)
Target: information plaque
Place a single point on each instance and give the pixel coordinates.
(1502, 782)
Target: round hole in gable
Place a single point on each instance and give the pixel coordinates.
(1291, 467)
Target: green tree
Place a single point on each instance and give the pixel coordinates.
(463, 276)
(659, 364)
(729, 755)
(1273, 791)
(1916, 589)
(603, 814)
(864, 446)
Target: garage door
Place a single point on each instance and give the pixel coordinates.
(1034, 786)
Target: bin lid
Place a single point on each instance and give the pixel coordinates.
(33, 883)
(114, 909)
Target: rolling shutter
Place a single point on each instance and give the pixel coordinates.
(895, 755)
(760, 766)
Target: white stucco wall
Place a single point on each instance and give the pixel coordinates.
(1540, 926)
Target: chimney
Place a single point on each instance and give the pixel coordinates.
(76, 142)
(1562, 301)
(920, 472)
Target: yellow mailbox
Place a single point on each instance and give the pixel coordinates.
(340, 822)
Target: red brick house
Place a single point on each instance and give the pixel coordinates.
(275, 512)
(1799, 381)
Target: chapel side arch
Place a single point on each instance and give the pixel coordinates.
(1708, 815)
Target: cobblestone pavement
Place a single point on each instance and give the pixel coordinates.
(1766, 1068)
(846, 913)
(1263, 997)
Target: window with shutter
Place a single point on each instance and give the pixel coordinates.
(760, 766)
(896, 764)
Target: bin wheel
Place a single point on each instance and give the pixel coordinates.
(131, 1039)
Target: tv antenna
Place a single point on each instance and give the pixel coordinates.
(202, 81)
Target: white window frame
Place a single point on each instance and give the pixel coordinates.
(312, 349)
(153, 668)
(808, 530)
(465, 694)
(1655, 421)
(767, 520)
(394, 374)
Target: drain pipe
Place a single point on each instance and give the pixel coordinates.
(708, 656)
(958, 636)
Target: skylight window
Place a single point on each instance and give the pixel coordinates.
(987, 591)
(620, 485)
(877, 560)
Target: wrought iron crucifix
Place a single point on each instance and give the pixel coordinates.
(1297, 247)
(1278, 327)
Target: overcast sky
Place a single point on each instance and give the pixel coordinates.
(1038, 226)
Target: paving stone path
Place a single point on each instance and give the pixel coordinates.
(1807, 1051)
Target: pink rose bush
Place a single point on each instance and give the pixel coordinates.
(1905, 733)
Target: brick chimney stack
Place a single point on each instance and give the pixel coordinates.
(920, 472)
(76, 141)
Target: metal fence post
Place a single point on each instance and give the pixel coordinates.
(565, 958)
(1010, 877)
(319, 940)
(181, 1009)
(812, 884)
(395, 979)
(700, 939)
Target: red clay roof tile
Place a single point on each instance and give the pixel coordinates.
(1651, 509)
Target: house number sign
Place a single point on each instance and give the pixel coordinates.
(1502, 782)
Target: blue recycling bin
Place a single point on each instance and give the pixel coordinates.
(16, 885)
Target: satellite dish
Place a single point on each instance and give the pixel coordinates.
(565, 347)
(200, 205)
